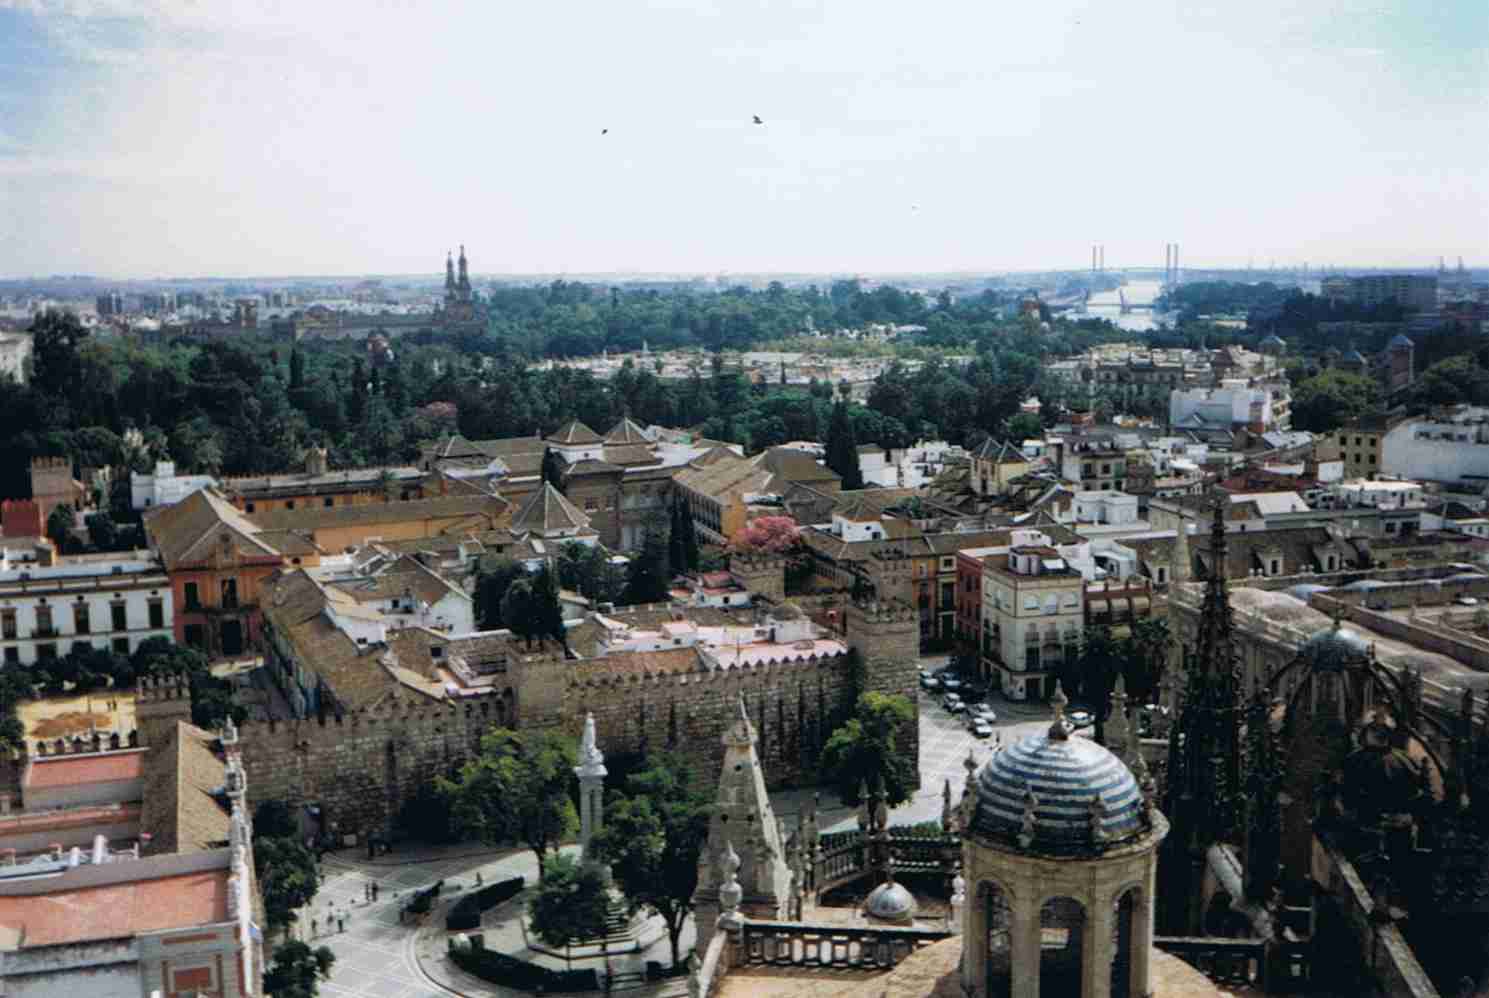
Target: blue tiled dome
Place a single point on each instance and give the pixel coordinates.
(1066, 774)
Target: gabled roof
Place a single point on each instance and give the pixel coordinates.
(547, 511)
(182, 775)
(627, 431)
(201, 524)
(999, 452)
(574, 433)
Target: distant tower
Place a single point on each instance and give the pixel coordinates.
(449, 278)
(462, 286)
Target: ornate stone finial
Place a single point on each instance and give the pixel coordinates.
(1058, 731)
(968, 807)
(730, 893)
(1029, 820)
(889, 868)
(1096, 818)
(865, 812)
(229, 734)
(591, 759)
(881, 808)
(947, 815)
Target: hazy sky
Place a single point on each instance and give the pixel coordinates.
(302, 136)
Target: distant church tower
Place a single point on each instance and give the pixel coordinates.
(460, 304)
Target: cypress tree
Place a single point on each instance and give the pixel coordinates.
(842, 447)
(356, 408)
(553, 469)
(676, 555)
(689, 535)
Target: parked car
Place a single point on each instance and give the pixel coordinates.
(1080, 717)
(973, 692)
(953, 703)
(982, 729)
(983, 712)
(949, 681)
(928, 680)
(1466, 601)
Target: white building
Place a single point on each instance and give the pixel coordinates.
(164, 487)
(1112, 508)
(1451, 445)
(1380, 493)
(111, 601)
(1033, 614)
(15, 352)
(1232, 404)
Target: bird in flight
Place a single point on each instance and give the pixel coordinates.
(604, 131)
(758, 119)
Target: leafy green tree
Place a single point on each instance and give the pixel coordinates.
(867, 749)
(654, 833)
(1454, 380)
(518, 788)
(197, 446)
(1332, 398)
(356, 406)
(287, 876)
(547, 610)
(59, 527)
(297, 970)
(15, 686)
(57, 339)
(647, 578)
(553, 469)
(274, 819)
(519, 610)
(1024, 426)
(494, 576)
(103, 532)
(570, 905)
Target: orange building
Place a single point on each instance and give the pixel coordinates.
(217, 561)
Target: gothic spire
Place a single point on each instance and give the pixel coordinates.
(463, 284)
(1206, 779)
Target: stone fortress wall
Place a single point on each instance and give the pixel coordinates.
(360, 767)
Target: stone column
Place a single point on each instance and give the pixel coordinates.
(1142, 937)
(1024, 940)
(591, 772)
(974, 943)
(1096, 948)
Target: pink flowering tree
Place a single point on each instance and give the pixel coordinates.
(766, 534)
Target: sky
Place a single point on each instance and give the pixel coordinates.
(283, 137)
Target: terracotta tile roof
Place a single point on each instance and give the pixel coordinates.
(180, 813)
(574, 433)
(290, 542)
(590, 466)
(49, 772)
(545, 511)
(300, 483)
(631, 455)
(476, 508)
(117, 910)
(193, 529)
(406, 576)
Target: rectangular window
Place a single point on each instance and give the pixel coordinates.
(46, 652)
(8, 624)
(194, 636)
(121, 646)
(289, 504)
(249, 508)
(120, 616)
(12, 655)
(81, 619)
(157, 613)
(193, 597)
(329, 501)
(229, 593)
(1031, 657)
(44, 623)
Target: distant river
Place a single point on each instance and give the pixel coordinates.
(1106, 305)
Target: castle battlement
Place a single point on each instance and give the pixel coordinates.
(757, 671)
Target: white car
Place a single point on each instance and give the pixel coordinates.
(982, 712)
(981, 729)
(1466, 601)
(953, 703)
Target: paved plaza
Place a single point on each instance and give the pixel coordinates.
(376, 957)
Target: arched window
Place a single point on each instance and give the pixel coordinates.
(999, 921)
(1062, 931)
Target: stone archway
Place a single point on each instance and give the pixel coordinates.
(1062, 945)
(997, 914)
(1127, 910)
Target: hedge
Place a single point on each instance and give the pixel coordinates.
(466, 914)
(498, 968)
(424, 900)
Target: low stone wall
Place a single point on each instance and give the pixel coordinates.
(1380, 946)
